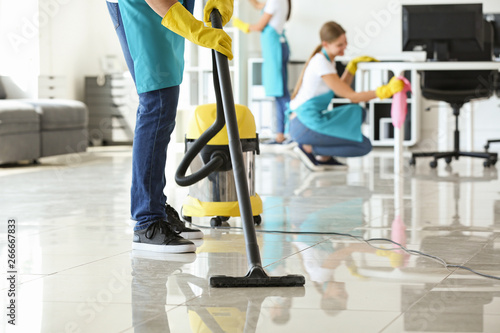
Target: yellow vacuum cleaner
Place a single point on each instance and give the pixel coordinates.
(216, 194)
(216, 163)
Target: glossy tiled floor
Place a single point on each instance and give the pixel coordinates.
(76, 271)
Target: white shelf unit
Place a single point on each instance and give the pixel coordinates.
(197, 87)
(380, 129)
(262, 107)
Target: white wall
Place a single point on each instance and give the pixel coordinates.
(19, 23)
(78, 35)
(75, 34)
(373, 26)
(53, 37)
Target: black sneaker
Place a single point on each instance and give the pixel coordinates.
(333, 164)
(159, 237)
(309, 159)
(184, 258)
(273, 146)
(179, 227)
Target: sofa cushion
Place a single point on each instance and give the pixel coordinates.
(57, 114)
(15, 147)
(18, 117)
(3, 93)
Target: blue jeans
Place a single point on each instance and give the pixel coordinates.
(326, 145)
(282, 101)
(116, 17)
(155, 123)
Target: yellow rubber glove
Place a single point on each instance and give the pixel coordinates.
(354, 271)
(179, 20)
(225, 8)
(352, 66)
(395, 85)
(243, 26)
(396, 259)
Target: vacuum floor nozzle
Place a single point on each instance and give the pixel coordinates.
(256, 277)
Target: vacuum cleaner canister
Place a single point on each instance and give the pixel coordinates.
(216, 194)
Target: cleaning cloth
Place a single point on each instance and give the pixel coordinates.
(399, 106)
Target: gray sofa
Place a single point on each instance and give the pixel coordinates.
(35, 128)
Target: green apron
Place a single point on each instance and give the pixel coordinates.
(157, 52)
(341, 122)
(272, 76)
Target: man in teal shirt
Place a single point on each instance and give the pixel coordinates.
(151, 34)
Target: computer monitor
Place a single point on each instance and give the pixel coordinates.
(494, 20)
(446, 32)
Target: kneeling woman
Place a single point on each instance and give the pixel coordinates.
(323, 134)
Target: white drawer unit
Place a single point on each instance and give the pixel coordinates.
(50, 86)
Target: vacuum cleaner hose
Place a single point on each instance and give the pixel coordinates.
(216, 160)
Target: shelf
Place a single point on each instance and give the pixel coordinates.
(262, 106)
(380, 130)
(112, 103)
(204, 69)
(341, 101)
(197, 87)
(378, 111)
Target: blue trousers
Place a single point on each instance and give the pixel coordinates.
(154, 125)
(282, 101)
(327, 145)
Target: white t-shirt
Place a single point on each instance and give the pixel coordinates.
(312, 265)
(312, 83)
(279, 11)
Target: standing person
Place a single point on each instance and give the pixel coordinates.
(322, 134)
(151, 34)
(275, 52)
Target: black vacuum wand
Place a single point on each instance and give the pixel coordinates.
(256, 276)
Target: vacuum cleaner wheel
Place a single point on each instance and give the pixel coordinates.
(185, 218)
(218, 221)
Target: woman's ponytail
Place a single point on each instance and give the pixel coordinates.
(301, 77)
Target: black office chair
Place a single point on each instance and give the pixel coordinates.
(487, 146)
(457, 88)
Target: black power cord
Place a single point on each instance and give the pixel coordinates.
(361, 239)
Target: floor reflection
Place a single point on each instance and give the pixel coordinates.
(457, 305)
(233, 310)
(150, 273)
(208, 309)
(74, 236)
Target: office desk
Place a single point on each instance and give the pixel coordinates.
(398, 68)
(401, 66)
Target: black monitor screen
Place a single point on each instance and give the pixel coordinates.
(445, 32)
